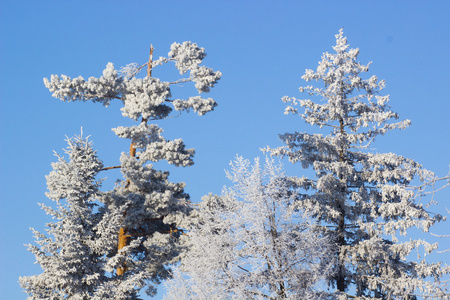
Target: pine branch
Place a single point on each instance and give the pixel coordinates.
(110, 168)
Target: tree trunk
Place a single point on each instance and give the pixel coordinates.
(123, 237)
(340, 278)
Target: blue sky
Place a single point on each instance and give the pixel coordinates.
(261, 47)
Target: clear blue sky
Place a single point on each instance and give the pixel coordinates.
(261, 47)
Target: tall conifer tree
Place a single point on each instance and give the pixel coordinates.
(71, 252)
(363, 199)
(145, 212)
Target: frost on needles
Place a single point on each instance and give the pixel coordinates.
(252, 243)
(71, 253)
(364, 200)
(111, 244)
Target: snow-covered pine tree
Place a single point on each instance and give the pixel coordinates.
(362, 198)
(71, 252)
(146, 210)
(251, 243)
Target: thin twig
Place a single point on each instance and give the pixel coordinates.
(182, 80)
(150, 62)
(110, 168)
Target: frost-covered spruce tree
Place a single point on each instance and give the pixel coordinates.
(362, 198)
(145, 209)
(251, 243)
(71, 252)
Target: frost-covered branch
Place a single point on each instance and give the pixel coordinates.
(141, 97)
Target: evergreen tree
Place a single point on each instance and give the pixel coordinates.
(71, 256)
(251, 243)
(363, 199)
(145, 210)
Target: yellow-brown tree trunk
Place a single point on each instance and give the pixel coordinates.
(123, 236)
